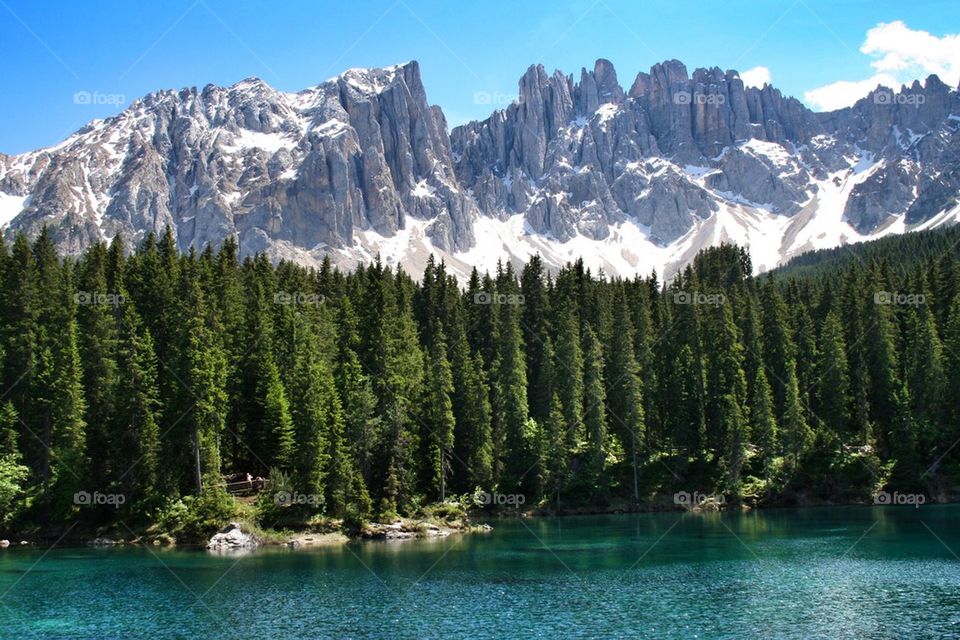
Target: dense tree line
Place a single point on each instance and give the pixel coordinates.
(155, 374)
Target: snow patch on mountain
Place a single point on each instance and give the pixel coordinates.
(10, 206)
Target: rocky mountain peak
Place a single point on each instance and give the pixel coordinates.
(597, 87)
(362, 164)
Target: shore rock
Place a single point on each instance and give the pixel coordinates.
(233, 538)
(4, 544)
(101, 542)
(405, 530)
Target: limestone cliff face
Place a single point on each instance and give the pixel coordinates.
(362, 162)
(363, 151)
(576, 157)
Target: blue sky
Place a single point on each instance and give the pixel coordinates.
(116, 51)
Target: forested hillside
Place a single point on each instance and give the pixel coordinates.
(902, 253)
(150, 377)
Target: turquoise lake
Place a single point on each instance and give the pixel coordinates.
(845, 572)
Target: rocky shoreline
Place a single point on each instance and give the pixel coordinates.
(236, 538)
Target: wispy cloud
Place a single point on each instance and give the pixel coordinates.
(756, 77)
(901, 55)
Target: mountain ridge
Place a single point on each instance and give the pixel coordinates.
(630, 179)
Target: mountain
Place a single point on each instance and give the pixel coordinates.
(629, 179)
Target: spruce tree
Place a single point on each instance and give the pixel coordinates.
(204, 375)
(951, 360)
(97, 335)
(535, 326)
(626, 394)
(437, 418)
(763, 424)
(513, 459)
(832, 380)
(569, 375)
(135, 409)
(795, 433)
(925, 378)
(595, 414)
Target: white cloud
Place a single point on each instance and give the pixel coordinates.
(900, 49)
(901, 55)
(845, 92)
(756, 77)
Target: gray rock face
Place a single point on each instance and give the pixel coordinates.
(232, 538)
(342, 168)
(576, 168)
(363, 151)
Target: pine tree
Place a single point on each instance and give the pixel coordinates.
(276, 424)
(833, 384)
(726, 385)
(473, 444)
(396, 369)
(359, 405)
(19, 315)
(204, 369)
(535, 325)
(924, 377)
(595, 414)
(779, 350)
(686, 421)
(513, 460)
(807, 358)
(97, 334)
(569, 376)
(626, 393)
(857, 359)
(951, 352)
(135, 409)
(228, 292)
(883, 365)
(763, 423)
(66, 403)
(437, 418)
(553, 462)
(795, 433)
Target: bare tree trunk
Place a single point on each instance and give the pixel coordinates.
(198, 476)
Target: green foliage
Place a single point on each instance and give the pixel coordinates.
(13, 474)
(371, 394)
(197, 517)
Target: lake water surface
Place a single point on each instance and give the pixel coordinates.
(845, 572)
